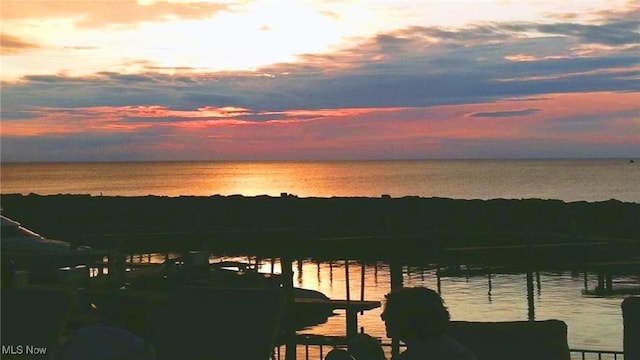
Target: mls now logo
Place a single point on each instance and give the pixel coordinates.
(23, 349)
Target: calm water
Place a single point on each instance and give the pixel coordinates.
(568, 180)
(594, 323)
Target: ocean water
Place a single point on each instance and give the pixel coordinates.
(568, 180)
(594, 322)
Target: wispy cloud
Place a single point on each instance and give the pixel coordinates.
(524, 112)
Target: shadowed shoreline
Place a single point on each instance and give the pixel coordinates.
(376, 228)
(526, 235)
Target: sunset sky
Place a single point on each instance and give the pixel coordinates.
(120, 80)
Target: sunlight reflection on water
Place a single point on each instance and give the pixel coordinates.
(568, 180)
(593, 323)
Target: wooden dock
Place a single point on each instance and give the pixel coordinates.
(352, 308)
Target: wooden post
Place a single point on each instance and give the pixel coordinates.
(346, 278)
(299, 266)
(117, 264)
(375, 272)
(631, 323)
(396, 284)
(600, 282)
(530, 300)
(330, 271)
(396, 275)
(286, 263)
(530, 255)
(352, 322)
(608, 282)
(362, 271)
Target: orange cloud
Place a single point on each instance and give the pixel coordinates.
(96, 14)
(11, 45)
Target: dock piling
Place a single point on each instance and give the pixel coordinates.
(346, 277)
(286, 264)
(362, 275)
(396, 284)
(531, 315)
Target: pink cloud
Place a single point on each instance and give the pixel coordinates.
(580, 118)
(420, 130)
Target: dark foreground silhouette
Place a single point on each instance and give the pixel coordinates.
(365, 228)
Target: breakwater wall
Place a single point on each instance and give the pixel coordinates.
(318, 226)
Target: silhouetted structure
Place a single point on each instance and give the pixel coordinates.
(631, 315)
(522, 340)
(217, 323)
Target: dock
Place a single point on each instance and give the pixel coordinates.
(527, 235)
(352, 308)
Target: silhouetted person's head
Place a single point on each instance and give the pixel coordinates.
(365, 347)
(416, 313)
(338, 354)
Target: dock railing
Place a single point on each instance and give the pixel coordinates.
(318, 351)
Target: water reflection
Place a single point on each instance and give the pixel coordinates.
(593, 322)
(480, 297)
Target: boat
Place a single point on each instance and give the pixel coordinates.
(25, 250)
(161, 279)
